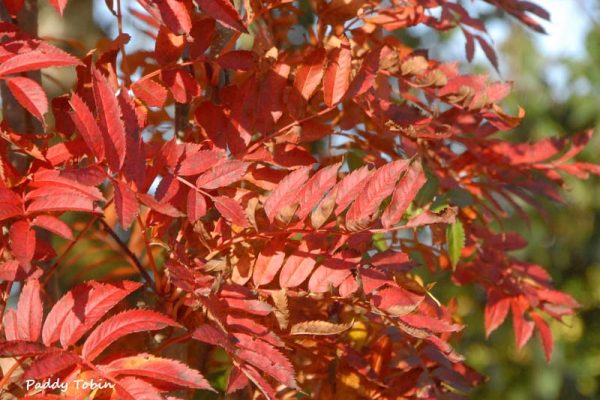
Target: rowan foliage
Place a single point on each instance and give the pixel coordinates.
(261, 198)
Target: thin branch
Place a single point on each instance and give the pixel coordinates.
(7, 375)
(173, 340)
(288, 127)
(124, 63)
(157, 277)
(54, 266)
(130, 254)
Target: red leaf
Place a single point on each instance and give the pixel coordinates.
(522, 327)
(490, 53)
(348, 188)
(47, 178)
(9, 324)
(266, 358)
(242, 60)
(121, 325)
(545, 334)
(139, 389)
(404, 193)
(297, 268)
(469, 45)
(14, 6)
(270, 103)
(198, 162)
(286, 192)
(30, 312)
(337, 76)
(231, 211)
(429, 323)
(85, 122)
(211, 335)
(111, 124)
(134, 166)
(54, 225)
(60, 202)
(397, 300)
(260, 382)
(30, 95)
(9, 197)
(161, 369)
(15, 348)
(182, 85)
(315, 189)
(35, 60)
(237, 380)
(447, 216)
(372, 279)
(255, 307)
(331, 274)
(59, 5)
(221, 175)
(196, 206)
(11, 204)
(162, 208)
(22, 242)
(58, 313)
(89, 309)
(348, 287)
(379, 186)
(309, 74)
(211, 117)
(268, 263)
(126, 204)
(224, 12)
(151, 92)
(365, 77)
(496, 310)
(175, 15)
(12, 271)
(202, 33)
(50, 364)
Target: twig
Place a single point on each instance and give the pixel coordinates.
(8, 373)
(157, 277)
(124, 63)
(53, 268)
(173, 340)
(287, 127)
(130, 254)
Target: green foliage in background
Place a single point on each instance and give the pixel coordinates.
(566, 239)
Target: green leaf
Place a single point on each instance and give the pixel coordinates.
(380, 242)
(455, 237)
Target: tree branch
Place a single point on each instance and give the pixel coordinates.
(130, 254)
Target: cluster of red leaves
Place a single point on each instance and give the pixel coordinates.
(304, 277)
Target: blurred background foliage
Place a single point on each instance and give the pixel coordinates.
(561, 96)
